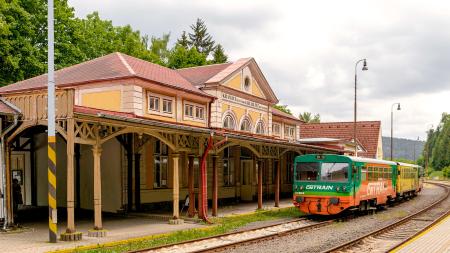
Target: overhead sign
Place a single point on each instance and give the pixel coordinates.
(243, 101)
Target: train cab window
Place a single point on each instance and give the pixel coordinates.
(334, 172)
(307, 171)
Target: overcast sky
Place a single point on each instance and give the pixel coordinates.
(307, 50)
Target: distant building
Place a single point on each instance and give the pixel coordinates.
(368, 137)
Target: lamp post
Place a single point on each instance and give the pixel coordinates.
(392, 126)
(356, 81)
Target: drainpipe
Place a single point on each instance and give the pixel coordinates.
(3, 165)
(204, 190)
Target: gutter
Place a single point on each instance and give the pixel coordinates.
(2, 157)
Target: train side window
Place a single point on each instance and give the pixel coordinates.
(370, 173)
(364, 174)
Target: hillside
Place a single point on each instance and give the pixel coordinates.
(403, 148)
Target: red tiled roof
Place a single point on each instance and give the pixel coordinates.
(199, 75)
(279, 113)
(108, 67)
(367, 133)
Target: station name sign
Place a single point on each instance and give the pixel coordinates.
(243, 101)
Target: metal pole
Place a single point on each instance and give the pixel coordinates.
(355, 105)
(51, 148)
(354, 119)
(392, 131)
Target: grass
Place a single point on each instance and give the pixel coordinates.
(221, 225)
(436, 175)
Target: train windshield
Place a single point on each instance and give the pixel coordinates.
(325, 172)
(334, 172)
(307, 171)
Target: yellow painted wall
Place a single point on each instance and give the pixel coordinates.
(107, 100)
(256, 90)
(159, 117)
(235, 82)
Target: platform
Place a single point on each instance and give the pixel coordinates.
(34, 236)
(436, 239)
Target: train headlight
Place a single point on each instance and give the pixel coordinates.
(301, 187)
(337, 188)
(344, 188)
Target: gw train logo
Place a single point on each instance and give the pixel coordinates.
(375, 188)
(319, 187)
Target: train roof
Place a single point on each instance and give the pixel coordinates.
(409, 165)
(371, 160)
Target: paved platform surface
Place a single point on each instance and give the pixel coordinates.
(434, 240)
(35, 237)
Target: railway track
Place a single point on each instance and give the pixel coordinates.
(228, 240)
(390, 236)
(393, 235)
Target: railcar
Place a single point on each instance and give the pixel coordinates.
(330, 184)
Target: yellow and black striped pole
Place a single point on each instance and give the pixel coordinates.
(52, 221)
(52, 211)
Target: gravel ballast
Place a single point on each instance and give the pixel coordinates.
(327, 237)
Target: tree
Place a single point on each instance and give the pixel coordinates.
(159, 50)
(180, 57)
(219, 55)
(200, 38)
(183, 40)
(441, 148)
(308, 118)
(283, 108)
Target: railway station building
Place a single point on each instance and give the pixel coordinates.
(131, 135)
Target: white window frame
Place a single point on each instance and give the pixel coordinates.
(287, 131)
(279, 129)
(195, 106)
(160, 111)
(156, 103)
(171, 106)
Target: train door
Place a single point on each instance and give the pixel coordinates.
(247, 179)
(355, 177)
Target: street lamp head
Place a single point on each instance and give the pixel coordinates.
(398, 108)
(365, 65)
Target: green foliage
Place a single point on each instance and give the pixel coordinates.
(283, 108)
(438, 144)
(308, 118)
(183, 40)
(446, 172)
(200, 38)
(219, 55)
(441, 148)
(181, 57)
(23, 41)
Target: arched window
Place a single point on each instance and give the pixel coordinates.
(260, 128)
(228, 122)
(246, 125)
